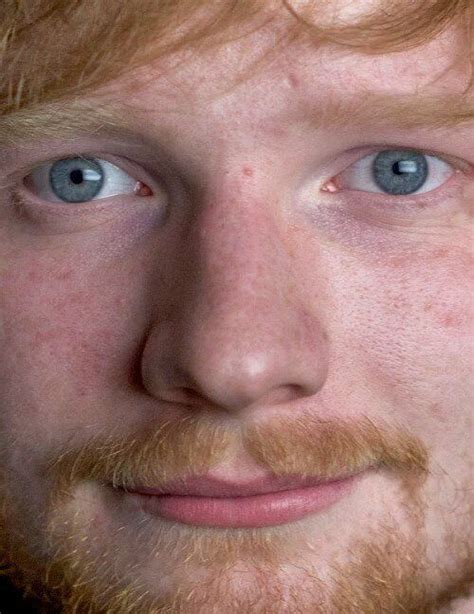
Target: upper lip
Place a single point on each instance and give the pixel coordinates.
(206, 486)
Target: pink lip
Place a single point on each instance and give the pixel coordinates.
(207, 486)
(265, 502)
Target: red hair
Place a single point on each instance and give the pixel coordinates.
(52, 49)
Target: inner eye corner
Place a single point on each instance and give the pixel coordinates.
(330, 186)
(142, 189)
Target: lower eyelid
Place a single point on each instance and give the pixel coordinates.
(365, 166)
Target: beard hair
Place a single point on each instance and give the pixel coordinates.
(387, 570)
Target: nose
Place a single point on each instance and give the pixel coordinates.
(241, 331)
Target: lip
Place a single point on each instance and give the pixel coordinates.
(208, 486)
(271, 501)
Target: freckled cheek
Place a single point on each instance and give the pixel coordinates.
(437, 308)
(48, 319)
(415, 334)
(447, 299)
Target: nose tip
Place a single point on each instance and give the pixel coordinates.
(240, 388)
(228, 370)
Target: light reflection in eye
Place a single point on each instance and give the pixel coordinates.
(81, 179)
(394, 173)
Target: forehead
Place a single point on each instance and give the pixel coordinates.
(258, 67)
(256, 72)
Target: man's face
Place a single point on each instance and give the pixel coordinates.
(286, 293)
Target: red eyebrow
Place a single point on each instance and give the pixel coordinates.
(79, 118)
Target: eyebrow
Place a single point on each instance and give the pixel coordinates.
(78, 118)
(404, 112)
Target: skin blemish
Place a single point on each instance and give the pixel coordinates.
(247, 171)
(293, 81)
(452, 320)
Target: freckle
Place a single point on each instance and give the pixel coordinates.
(247, 171)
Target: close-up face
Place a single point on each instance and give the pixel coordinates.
(255, 269)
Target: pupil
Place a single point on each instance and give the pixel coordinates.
(76, 177)
(397, 169)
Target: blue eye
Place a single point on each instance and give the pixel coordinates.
(79, 179)
(395, 172)
(400, 172)
(76, 180)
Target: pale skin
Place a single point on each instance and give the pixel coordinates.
(241, 292)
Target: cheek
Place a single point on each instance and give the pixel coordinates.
(449, 304)
(413, 325)
(68, 311)
(432, 289)
(65, 336)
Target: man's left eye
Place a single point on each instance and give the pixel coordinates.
(394, 172)
(79, 179)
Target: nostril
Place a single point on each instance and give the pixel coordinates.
(182, 394)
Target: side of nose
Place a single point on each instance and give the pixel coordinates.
(240, 333)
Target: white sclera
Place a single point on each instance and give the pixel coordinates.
(116, 181)
(359, 176)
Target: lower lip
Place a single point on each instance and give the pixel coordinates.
(266, 510)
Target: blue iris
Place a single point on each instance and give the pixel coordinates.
(76, 180)
(400, 172)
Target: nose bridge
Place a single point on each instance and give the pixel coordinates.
(239, 334)
(238, 298)
(240, 256)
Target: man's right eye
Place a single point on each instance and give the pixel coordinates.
(80, 179)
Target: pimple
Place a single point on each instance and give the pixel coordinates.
(293, 80)
(453, 320)
(247, 171)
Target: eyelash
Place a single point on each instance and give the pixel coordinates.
(458, 167)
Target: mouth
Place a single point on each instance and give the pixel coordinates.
(271, 501)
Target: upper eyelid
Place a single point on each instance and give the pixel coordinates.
(25, 169)
(455, 165)
(447, 158)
